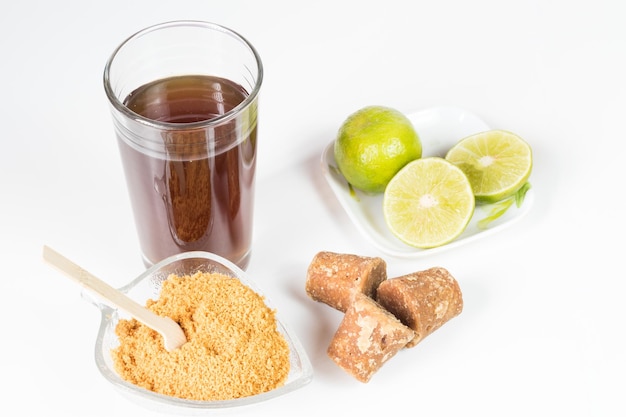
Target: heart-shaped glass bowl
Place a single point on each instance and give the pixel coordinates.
(148, 286)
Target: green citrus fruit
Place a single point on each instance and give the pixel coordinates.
(428, 203)
(498, 163)
(373, 144)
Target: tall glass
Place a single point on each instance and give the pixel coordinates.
(184, 101)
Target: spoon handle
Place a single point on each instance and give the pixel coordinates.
(164, 325)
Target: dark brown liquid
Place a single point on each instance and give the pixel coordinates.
(191, 199)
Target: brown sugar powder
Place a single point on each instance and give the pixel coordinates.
(233, 347)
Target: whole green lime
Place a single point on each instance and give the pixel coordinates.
(373, 144)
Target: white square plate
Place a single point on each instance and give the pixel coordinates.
(439, 129)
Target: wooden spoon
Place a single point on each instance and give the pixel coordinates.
(173, 335)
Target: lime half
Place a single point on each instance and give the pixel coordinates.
(428, 203)
(497, 163)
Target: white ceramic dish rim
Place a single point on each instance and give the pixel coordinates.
(439, 129)
(301, 372)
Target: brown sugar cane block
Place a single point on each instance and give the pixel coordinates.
(334, 278)
(367, 337)
(422, 300)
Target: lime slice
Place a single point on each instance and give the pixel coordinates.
(497, 163)
(428, 203)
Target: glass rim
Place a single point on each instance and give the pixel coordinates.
(120, 107)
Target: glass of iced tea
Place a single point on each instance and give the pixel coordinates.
(184, 100)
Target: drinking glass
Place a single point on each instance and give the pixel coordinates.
(184, 102)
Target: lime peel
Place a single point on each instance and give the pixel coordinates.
(521, 194)
(501, 207)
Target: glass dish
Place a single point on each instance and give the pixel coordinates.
(148, 286)
(439, 129)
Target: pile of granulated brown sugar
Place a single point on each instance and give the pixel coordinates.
(233, 347)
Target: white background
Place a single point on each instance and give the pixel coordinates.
(542, 329)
